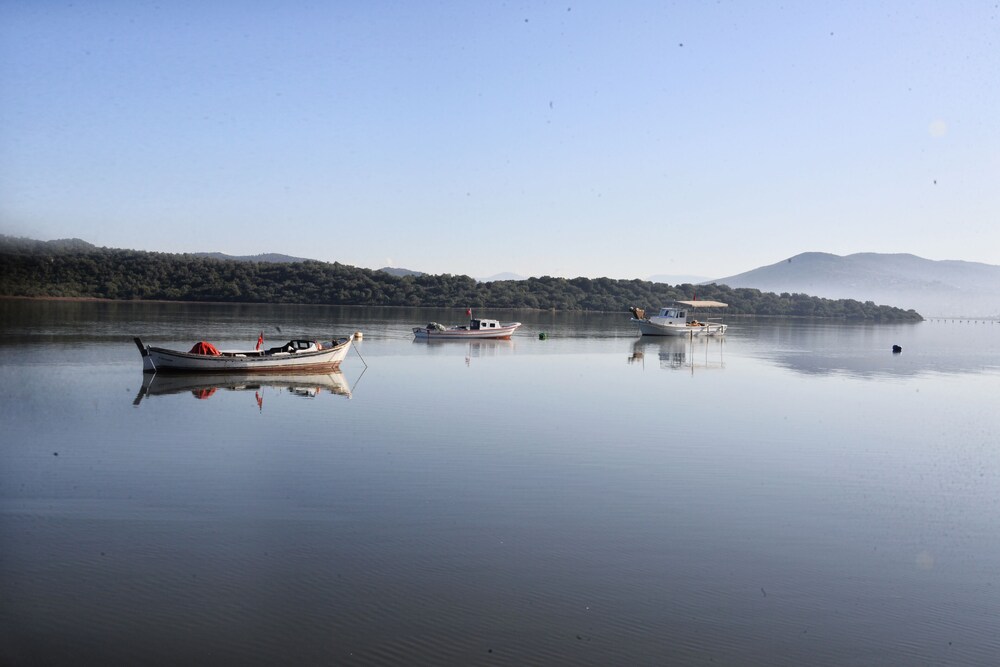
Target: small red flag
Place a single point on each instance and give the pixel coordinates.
(260, 340)
(468, 311)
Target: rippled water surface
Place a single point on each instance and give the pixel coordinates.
(792, 494)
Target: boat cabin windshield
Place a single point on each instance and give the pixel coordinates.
(485, 324)
(295, 346)
(673, 312)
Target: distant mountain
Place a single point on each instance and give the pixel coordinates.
(502, 276)
(678, 279)
(23, 244)
(268, 257)
(946, 288)
(400, 272)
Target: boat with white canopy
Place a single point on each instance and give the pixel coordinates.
(677, 319)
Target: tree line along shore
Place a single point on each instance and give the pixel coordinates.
(77, 270)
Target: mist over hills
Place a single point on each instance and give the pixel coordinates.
(507, 275)
(269, 257)
(934, 288)
(393, 271)
(678, 279)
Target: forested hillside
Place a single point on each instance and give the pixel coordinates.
(74, 268)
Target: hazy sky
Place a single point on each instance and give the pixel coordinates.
(619, 139)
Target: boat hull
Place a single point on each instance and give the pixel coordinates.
(647, 328)
(503, 332)
(161, 359)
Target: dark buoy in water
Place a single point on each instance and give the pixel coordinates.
(896, 349)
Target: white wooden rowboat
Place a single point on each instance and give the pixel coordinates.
(296, 355)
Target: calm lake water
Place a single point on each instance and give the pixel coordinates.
(792, 494)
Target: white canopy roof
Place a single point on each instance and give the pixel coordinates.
(705, 304)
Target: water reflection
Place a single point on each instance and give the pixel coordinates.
(866, 350)
(203, 386)
(385, 533)
(679, 353)
(472, 349)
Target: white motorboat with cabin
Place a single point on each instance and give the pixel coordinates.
(478, 328)
(677, 319)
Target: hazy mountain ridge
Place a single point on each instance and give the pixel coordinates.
(398, 272)
(678, 279)
(269, 257)
(27, 245)
(506, 275)
(935, 288)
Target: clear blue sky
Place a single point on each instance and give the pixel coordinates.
(575, 138)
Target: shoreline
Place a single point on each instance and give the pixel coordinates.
(94, 299)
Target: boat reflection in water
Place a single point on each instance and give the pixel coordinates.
(205, 385)
(472, 348)
(680, 353)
